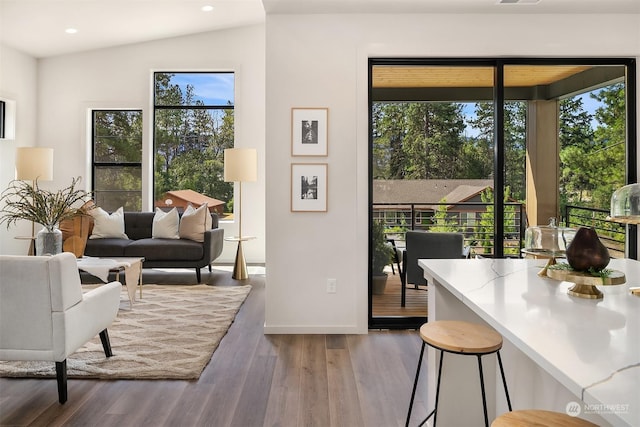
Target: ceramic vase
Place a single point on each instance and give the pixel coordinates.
(586, 251)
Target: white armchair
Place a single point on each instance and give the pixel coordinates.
(44, 314)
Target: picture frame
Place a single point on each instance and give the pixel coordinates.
(309, 129)
(309, 187)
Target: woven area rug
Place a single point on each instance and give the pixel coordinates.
(170, 333)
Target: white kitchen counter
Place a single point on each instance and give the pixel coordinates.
(590, 349)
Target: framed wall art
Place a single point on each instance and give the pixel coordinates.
(309, 128)
(308, 187)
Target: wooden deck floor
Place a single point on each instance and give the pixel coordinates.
(388, 304)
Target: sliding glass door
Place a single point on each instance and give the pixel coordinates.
(488, 148)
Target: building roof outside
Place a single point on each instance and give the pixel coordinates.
(189, 196)
(422, 191)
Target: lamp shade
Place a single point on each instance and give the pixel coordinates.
(240, 165)
(34, 163)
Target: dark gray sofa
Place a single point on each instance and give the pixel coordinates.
(160, 253)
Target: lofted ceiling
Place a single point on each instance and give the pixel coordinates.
(411, 82)
(443, 76)
(37, 27)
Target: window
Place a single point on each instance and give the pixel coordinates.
(2, 119)
(193, 124)
(555, 136)
(7, 119)
(117, 159)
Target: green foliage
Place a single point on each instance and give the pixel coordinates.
(118, 145)
(31, 203)
(190, 142)
(442, 221)
(514, 139)
(592, 161)
(415, 140)
(380, 250)
(484, 231)
(603, 274)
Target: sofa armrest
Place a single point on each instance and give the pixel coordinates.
(213, 242)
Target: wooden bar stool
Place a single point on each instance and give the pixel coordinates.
(459, 338)
(539, 418)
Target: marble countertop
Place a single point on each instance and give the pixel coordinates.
(592, 347)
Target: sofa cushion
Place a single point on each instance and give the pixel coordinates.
(108, 226)
(194, 222)
(106, 247)
(139, 225)
(165, 249)
(165, 224)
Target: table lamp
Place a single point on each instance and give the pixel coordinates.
(34, 164)
(240, 165)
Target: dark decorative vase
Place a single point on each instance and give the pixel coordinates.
(586, 251)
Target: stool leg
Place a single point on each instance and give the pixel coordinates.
(415, 385)
(435, 408)
(504, 382)
(484, 397)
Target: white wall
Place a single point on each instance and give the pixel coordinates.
(311, 61)
(321, 61)
(69, 85)
(18, 76)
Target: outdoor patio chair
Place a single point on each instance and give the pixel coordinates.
(426, 244)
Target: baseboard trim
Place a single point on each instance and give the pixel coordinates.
(304, 330)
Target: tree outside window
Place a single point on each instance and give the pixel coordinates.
(117, 159)
(193, 125)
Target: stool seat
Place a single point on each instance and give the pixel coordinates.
(535, 417)
(461, 337)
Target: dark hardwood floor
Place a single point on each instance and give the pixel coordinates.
(252, 380)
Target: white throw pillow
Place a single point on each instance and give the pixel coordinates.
(165, 224)
(194, 222)
(108, 226)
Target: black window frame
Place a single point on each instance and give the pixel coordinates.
(3, 118)
(157, 107)
(631, 175)
(95, 164)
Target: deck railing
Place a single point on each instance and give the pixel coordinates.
(612, 234)
(473, 219)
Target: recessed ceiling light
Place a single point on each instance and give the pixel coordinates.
(71, 31)
(207, 8)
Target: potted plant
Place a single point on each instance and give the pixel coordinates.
(23, 200)
(381, 257)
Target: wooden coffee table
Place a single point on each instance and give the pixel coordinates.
(101, 267)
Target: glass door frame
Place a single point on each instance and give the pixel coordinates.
(499, 64)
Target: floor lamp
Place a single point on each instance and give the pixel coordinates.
(240, 165)
(34, 164)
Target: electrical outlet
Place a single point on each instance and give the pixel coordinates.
(332, 286)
